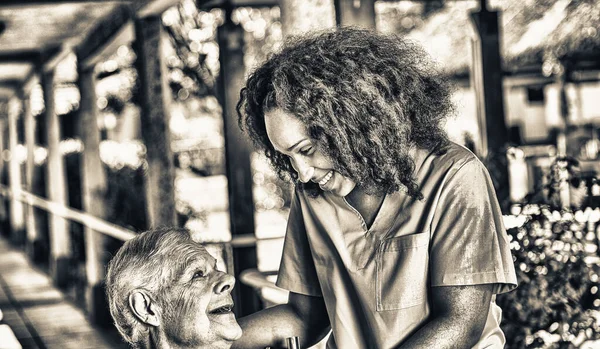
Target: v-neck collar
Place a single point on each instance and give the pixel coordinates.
(359, 242)
(380, 212)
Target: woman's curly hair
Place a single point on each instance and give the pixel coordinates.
(365, 99)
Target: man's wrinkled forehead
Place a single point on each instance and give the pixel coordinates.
(189, 256)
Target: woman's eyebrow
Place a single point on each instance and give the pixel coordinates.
(295, 144)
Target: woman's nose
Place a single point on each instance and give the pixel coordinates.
(225, 284)
(305, 172)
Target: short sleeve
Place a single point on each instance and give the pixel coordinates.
(297, 271)
(469, 244)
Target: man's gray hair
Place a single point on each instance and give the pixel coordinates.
(150, 261)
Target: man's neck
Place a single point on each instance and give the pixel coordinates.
(156, 339)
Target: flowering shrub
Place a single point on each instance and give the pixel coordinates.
(557, 301)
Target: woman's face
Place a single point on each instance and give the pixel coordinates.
(289, 136)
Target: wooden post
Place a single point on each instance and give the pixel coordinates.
(3, 200)
(17, 218)
(237, 158)
(33, 245)
(487, 80)
(154, 99)
(360, 13)
(93, 181)
(60, 241)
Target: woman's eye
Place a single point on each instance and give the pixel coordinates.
(306, 151)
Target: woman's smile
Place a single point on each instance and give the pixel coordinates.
(325, 178)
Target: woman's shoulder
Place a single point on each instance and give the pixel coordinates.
(452, 157)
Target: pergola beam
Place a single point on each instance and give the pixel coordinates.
(11, 84)
(143, 8)
(104, 32)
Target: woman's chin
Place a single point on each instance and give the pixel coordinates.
(345, 187)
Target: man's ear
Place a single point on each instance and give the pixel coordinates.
(144, 307)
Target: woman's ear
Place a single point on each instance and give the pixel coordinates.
(144, 308)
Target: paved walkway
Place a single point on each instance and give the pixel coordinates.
(39, 315)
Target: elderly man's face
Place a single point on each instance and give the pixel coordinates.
(198, 307)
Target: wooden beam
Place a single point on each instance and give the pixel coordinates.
(24, 56)
(60, 242)
(210, 4)
(124, 36)
(30, 56)
(237, 158)
(103, 32)
(11, 84)
(154, 99)
(17, 219)
(93, 182)
(11, 3)
(487, 77)
(34, 222)
(360, 13)
(4, 217)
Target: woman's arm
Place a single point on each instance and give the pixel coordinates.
(459, 314)
(303, 316)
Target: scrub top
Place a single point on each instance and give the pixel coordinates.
(375, 280)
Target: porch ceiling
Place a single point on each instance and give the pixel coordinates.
(34, 32)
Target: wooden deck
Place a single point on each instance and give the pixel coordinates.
(40, 316)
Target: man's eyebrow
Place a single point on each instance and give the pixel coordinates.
(187, 267)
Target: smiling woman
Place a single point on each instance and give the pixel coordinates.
(164, 289)
(394, 237)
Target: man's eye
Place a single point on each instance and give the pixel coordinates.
(198, 274)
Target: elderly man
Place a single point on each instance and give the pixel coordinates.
(164, 291)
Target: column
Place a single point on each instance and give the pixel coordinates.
(360, 13)
(33, 244)
(4, 217)
(154, 99)
(486, 75)
(93, 181)
(17, 218)
(60, 242)
(237, 158)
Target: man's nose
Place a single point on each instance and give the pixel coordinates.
(305, 172)
(225, 284)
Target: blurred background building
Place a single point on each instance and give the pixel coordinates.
(117, 116)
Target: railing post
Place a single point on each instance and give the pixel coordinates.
(17, 218)
(359, 13)
(60, 241)
(154, 99)
(33, 244)
(237, 158)
(93, 180)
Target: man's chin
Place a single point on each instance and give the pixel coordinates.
(227, 325)
(233, 333)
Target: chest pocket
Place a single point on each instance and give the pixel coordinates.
(402, 267)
